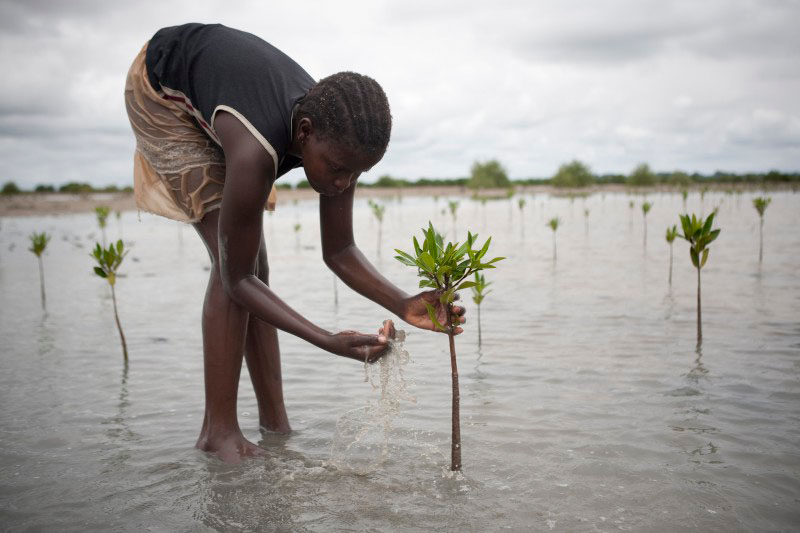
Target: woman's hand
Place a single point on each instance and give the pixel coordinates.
(360, 346)
(416, 313)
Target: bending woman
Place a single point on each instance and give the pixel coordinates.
(219, 115)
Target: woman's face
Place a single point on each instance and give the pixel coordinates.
(331, 167)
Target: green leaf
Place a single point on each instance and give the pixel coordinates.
(705, 258)
(432, 316)
(496, 259)
(405, 261)
(709, 222)
(693, 255)
(485, 248)
(99, 272)
(427, 260)
(466, 285)
(713, 235)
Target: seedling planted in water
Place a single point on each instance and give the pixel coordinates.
(699, 235)
(646, 209)
(671, 234)
(479, 292)
(453, 206)
(378, 211)
(102, 213)
(38, 244)
(761, 204)
(108, 261)
(553, 223)
(444, 268)
(297, 228)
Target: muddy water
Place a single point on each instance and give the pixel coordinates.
(588, 407)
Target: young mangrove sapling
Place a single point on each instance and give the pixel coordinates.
(699, 235)
(453, 206)
(297, 228)
(671, 234)
(102, 213)
(761, 204)
(108, 261)
(444, 268)
(553, 223)
(38, 244)
(479, 292)
(646, 209)
(378, 210)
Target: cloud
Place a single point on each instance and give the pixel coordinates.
(693, 85)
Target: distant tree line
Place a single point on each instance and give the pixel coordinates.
(73, 187)
(492, 175)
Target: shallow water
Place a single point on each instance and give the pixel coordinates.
(587, 408)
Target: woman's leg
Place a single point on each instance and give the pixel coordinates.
(263, 357)
(224, 332)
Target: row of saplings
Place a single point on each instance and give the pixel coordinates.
(447, 268)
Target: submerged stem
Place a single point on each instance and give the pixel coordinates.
(119, 326)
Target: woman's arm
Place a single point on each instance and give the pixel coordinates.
(343, 257)
(248, 180)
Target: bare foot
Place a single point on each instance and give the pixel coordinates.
(231, 448)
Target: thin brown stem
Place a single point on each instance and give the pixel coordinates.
(699, 311)
(761, 240)
(455, 449)
(41, 281)
(670, 264)
(119, 326)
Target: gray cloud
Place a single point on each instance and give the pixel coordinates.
(693, 85)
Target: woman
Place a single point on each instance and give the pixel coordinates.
(219, 115)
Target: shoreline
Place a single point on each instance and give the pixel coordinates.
(38, 204)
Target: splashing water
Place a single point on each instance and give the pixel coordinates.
(361, 441)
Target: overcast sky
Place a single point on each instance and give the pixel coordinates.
(698, 86)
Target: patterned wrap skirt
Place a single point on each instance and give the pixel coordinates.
(178, 171)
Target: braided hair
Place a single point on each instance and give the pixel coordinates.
(349, 108)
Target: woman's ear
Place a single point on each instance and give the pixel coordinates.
(304, 129)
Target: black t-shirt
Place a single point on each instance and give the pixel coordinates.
(208, 68)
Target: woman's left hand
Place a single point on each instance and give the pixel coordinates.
(416, 313)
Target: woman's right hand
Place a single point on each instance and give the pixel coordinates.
(358, 346)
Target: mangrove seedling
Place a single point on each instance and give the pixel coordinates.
(671, 234)
(38, 244)
(684, 195)
(631, 205)
(699, 235)
(118, 214)
(378, 211)
(102, 212)
(553, 223)
(444, 268)
(297, 228)
(479, 292)
(453, 206)
(645, 209)
(761, 204)
(586, 221)
(108, 262)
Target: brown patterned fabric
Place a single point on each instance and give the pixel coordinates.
(178, 172)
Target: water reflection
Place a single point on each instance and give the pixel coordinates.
(698, 371)
(118, 431)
